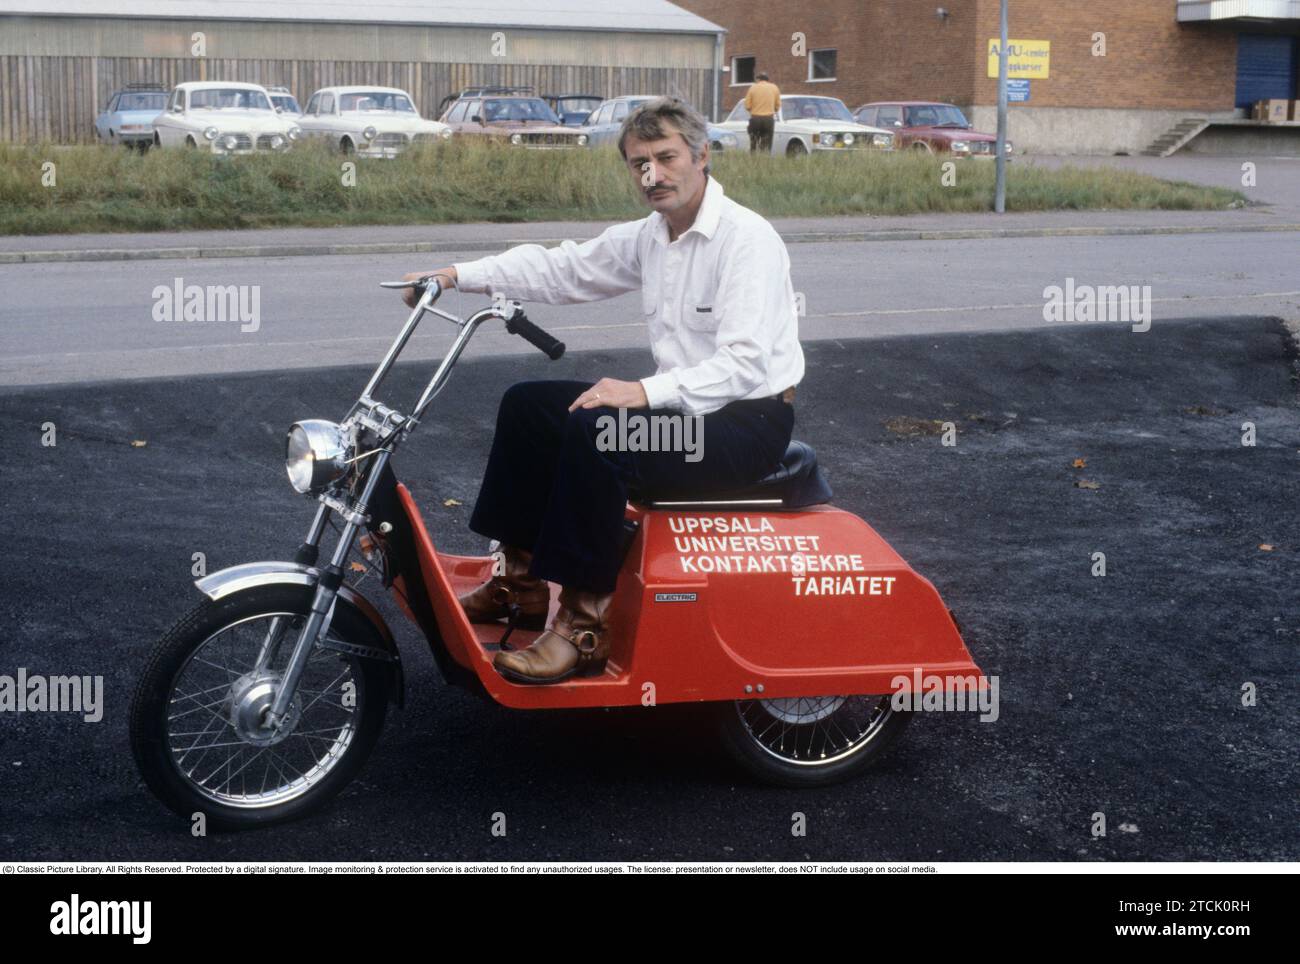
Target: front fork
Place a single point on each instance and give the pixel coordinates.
(322, 604)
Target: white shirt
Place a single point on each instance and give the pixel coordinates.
(718, 301)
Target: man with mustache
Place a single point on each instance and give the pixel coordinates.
(719, 305)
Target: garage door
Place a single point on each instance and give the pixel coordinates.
(1266, 67)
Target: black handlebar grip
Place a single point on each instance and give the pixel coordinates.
(520, 325)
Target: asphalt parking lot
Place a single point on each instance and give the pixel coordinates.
(1119, 695)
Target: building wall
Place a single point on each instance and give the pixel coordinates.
(888, 48)
(1152, 62)
(56, 74)
(1155, 71)
(900, 49)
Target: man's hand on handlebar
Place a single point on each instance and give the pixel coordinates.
(612, 392)
(411, 296)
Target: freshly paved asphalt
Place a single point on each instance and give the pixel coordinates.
(1119, 694)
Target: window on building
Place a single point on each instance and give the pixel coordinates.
(742, 70)
(821, 64)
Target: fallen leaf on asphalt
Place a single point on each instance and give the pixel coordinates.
(450, 502)
(357, 567)
(1080, 463)
(907, 425)
(1085, 484)
(138, 443)
(1266, 547)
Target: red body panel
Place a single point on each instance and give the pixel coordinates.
(710, 602)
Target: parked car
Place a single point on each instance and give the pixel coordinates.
(519, 118)
(930, 127)
(368, 121)
(128, 118)
(225, 117)
(284, 102)
(604, 123)
(572, 109)
(807, 125)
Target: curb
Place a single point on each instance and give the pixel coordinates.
(187, 252)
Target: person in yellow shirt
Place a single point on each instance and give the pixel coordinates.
(762, 102)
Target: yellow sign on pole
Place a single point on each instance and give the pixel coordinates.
(1027, 59)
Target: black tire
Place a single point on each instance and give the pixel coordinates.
(191, 143)
(171, 655)
(739, 742)
(346, 146)
(796, 149)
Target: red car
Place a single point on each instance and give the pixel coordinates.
(930, 127)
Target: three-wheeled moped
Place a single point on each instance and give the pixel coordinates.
(792, 619)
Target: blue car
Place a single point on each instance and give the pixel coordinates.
(128, 118)
(603, 124)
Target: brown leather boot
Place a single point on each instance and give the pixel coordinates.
(574, 643)
(492, 600)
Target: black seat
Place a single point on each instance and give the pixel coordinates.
(796, 482)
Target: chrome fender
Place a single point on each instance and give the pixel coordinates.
(251, 575)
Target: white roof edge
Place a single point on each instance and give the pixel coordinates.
(656, 16)
(1194, 11)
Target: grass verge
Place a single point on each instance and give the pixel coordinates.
(107, 189)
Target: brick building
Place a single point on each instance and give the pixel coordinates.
(1121, 73)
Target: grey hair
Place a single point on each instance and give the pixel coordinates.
(646, 123)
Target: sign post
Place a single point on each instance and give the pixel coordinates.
(1000, 196)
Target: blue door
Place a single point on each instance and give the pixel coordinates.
(1266, 68)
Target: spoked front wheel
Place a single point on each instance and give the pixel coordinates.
(199, 727)
(809, 741)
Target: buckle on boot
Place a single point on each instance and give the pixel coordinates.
(586, 642)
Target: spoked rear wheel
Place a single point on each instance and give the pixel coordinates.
(809, 741)
(198, 720)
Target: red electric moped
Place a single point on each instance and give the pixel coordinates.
(794, 620)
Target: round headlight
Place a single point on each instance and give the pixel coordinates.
(277, 142)
(882, 140)
(211, 133)
(315, 454)
(728, 140)
(445, 134)
(370, 133)
(295, 133)
(582, 139)
(516, 138)
(848, 139)
(230, 142)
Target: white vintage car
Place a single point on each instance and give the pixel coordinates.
(813, 125)
(368, 121)
(224, 117)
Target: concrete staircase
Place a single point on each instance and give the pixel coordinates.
(1178, 135)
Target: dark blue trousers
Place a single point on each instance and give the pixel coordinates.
(548, 487)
